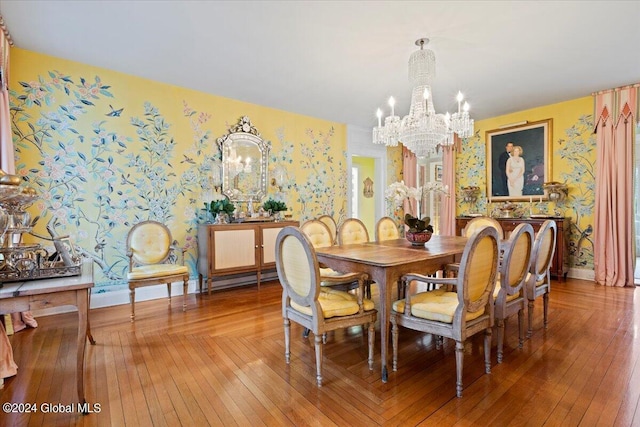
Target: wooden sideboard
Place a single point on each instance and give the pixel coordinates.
(228, 249)
(559, 266)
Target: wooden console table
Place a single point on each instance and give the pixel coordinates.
(559, 265)
(226, 249)
(60, 291)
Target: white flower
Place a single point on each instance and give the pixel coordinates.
(399, 191)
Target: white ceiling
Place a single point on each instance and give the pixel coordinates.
(341, 60)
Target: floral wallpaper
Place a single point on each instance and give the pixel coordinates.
(106, 150)
(573, 161)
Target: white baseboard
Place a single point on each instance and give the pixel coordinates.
(120, 297)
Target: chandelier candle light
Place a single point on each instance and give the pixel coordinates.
(423, 130)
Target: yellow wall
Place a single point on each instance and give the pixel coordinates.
(106, 150)
(366, 205)
(573, 162)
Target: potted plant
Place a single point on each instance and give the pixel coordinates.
(420, 230)
(216, 207)
(275, 207)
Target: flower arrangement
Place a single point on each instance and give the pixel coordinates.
(398, 192)
(274, 206)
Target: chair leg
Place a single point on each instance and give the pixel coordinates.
(372, 337)
(200, 283)
(318, 341)
(521, 327)
(545, 300)
(287, 340)
(305, 333)
(459, 366)
(500, 325)
(132, 299)
(530, 318)
(487, 350)
(185, 288)
(169, 292)
(394, 340)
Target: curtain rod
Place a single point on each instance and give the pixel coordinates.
(615, 88)
(5, 31)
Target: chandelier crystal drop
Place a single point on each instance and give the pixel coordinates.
(423, 130)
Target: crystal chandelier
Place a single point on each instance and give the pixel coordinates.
(422, 130)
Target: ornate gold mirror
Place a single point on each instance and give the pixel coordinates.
(244, 162)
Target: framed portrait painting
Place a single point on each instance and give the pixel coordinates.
(519, 161)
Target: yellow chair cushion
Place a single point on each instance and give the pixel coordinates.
(336, 303)
(158, 270)
(496, 291)
(538, 283)
(437, 305)
(329, 272)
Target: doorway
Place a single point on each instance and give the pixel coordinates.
(430, 170)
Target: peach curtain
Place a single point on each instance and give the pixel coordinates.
(409, 176)
(448, 203)
(614, 247)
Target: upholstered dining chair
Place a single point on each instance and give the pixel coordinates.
(455, 315)
(331, 224)
(320, 237)
(387, 229)
(352, 230)
(509, 297)
(539, 281)
(483, 221)
(304, 303)
(472, 226)
(152, 260)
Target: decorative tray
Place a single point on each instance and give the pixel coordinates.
(259, 219)
(17, 275)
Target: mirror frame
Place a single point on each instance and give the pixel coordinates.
(244, 131)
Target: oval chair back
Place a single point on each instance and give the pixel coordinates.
(387, 229)
(483, 221)
(318, 233)
(509, 294)
(352, 230)
(331, 224)
(539, 281)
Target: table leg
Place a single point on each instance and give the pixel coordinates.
(89, 336)
(385, 283)
(82, 302)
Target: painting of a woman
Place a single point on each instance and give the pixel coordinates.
(515, 172)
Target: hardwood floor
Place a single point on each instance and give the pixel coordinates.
(222, 363)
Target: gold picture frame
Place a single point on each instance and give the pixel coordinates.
(535, 142)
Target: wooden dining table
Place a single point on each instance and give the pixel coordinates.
(385, 262)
